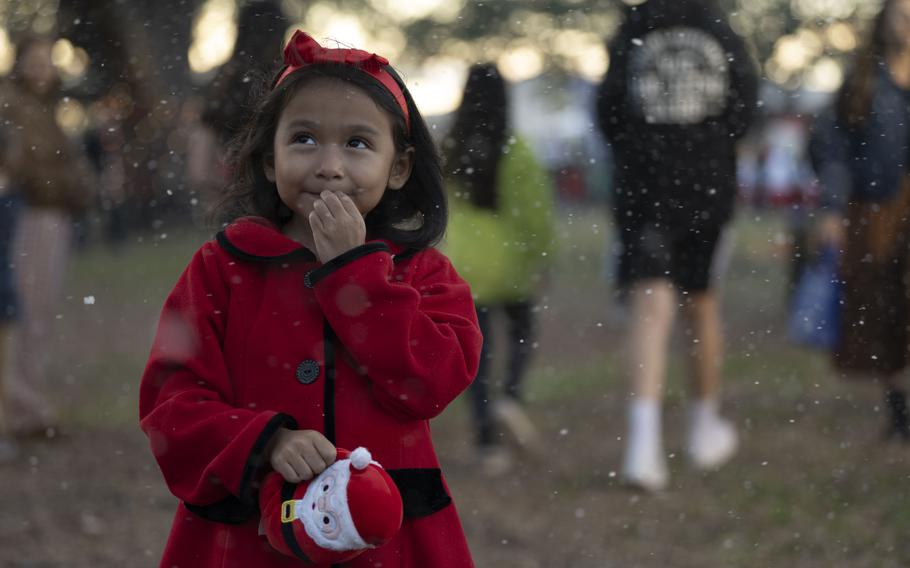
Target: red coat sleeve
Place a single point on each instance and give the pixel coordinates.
(416, 338)
(209, 451)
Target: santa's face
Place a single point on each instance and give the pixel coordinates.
(325, 511)
(324, 506)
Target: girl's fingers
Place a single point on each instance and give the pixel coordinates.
(349, 206)
(325, 449)
(333, 203)
(321, 208)
(288, 473)
(316, 221)
(300, 466)
(314, 460)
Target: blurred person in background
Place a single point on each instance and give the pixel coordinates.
(261, 27)
(680, 91)
(10, 205)
(55, 182)
(860, 150)
(500, 238)
(104, 143)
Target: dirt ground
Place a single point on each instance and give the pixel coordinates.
(812, 485)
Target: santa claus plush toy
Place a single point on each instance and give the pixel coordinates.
(350, 507)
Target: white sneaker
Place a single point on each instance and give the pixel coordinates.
(644, 465)
(510, 414)
(712, 442)
(645, 469)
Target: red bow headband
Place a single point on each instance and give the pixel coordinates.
(303, 50)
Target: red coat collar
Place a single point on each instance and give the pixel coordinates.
(257, 239)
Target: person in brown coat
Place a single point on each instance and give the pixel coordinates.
(55, 181)
(861, 152)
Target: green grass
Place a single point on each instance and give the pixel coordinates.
(142, 270)
(111, 304)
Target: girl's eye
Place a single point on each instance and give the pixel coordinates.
(358, 143)
(303, 139)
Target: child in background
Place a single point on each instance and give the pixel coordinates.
(321, 316)
(500, 239)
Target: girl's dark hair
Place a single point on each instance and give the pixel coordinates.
(414, 216)
(854, 101)
(473, 147)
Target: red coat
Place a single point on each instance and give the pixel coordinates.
(257, 335)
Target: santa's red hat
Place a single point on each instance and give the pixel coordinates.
(350, 507)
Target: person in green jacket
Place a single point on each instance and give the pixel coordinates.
(500, 239)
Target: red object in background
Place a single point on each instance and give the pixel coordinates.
(570, 184)
(780, 174)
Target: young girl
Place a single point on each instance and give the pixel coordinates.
(320, 316)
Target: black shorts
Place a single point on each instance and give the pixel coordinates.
(683, 255)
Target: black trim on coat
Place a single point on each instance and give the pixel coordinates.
(301, 254)
(328, 392)
(328, 396)
(256, 461)
(422, 491)
(287, 529)
(405, 254)
(317, 274)
(230, 511)
(234, 510)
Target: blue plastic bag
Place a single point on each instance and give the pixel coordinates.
(815, 307)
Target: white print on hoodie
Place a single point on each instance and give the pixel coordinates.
(678, 75)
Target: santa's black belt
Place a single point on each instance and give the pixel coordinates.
(422, 494)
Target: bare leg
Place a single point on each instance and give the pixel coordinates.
(653, 310)
(706, 348)
(712, 440)
(41, 249)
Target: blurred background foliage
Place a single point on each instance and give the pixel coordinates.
(181, 42)
(147, 69)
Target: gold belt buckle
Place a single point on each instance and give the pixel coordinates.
(288, 512)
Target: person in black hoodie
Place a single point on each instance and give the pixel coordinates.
(680, 91)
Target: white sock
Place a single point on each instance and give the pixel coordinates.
(644, 419)
(644, 463)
